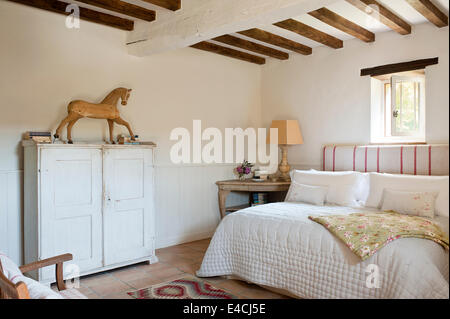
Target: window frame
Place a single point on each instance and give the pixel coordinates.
(381, 123)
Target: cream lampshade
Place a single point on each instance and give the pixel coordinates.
(288, 134)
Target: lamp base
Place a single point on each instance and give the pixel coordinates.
(284, 167)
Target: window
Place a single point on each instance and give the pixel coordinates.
(398, 108)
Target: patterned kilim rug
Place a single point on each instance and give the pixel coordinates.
(184, 288)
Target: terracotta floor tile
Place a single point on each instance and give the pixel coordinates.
(173, 258)
(92, 296)
(194, 255)
(110, 288)
(144, 282)
(190, 268)
(181, 262)
(149, 267)
(198, 244)
(176, 277)
(85, 290)
(94, 280)
(163, 274)
(130, 274)
(120, 295)
(180, 249)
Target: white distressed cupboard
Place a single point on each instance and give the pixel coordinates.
(93, 201)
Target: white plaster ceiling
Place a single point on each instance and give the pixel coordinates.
(350, 12)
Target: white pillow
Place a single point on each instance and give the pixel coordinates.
(363, 189)
(409, 203)
(409, 183)
(307, 194)
(342, 186)
(363, 184)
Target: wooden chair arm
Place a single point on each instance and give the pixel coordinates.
(10, 290)
(57, 260)
(45, 262)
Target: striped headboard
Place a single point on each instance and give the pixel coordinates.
(395, 159)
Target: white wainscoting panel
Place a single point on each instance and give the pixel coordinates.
(11, 214)
(186, 202)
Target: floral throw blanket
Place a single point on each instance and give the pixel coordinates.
(366, 233)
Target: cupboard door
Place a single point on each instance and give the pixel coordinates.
(128, 204)
(71, 207)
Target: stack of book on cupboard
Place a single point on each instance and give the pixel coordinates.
(39, 137)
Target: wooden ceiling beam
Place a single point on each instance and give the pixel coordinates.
(430, 11)
(382, 14)
(235, 54)
(85, 14)
(399, 67)
(276, 40)
(339, 22)
(173, 5)
(252, 46)
(310, 33)
(123, 8)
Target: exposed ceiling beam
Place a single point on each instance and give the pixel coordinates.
(252, 46)
(85, 14)
(173, 5)
(399, 67)
(382, 14)
(211, 47)
(310, 33)
(339, 22)
(202, 20)
(276, 40)
(123, 8)
(430, 11)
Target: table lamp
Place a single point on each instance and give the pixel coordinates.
(288, 134)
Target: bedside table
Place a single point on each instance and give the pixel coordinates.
(276, 190)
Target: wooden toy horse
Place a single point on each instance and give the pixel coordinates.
(107, 110)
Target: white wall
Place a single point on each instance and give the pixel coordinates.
(43, 66)
(326, 93)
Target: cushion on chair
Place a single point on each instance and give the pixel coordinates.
(35, 289)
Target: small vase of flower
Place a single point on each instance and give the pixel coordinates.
(244, 169)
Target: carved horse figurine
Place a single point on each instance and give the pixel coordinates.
(107, 110)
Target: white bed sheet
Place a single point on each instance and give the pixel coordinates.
(276, 245)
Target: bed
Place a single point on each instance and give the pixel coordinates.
(278, 246)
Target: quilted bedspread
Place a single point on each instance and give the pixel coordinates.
(276, 245)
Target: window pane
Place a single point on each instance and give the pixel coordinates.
(407, 105)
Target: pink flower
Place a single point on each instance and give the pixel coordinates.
(365, 250)
(364, 238)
